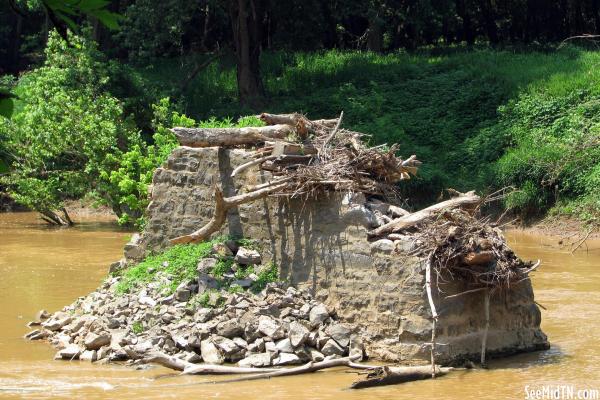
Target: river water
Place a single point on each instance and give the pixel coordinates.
(49, 268)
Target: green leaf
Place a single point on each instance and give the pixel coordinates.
(107, 18)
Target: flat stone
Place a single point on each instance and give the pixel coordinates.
(256, 360)
(37, 334)
(88, 355)
(182, 294)
(204, 314)
(230, 328)
(245, 283)
(132, 250)
(222, 250)
(380, 206)
(284, 346)
(54, 324)
(94, 341)
(287, 359)
(316, 356)
(318, 315)
(298, 333)
(357, 347)
(192, 357)
(117, 266)
(210, 353)
(332, 348)
(270, 327)
(206, 265)
(383, 245)
(227, 346)
(245, 256)
(340, 333)
(71, 352)
(147, 300)
(258, 346)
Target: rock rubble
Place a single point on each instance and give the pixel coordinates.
(277, 327)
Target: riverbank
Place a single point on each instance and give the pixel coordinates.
(563, 232)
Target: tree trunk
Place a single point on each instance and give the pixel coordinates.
(13, 57)
(246, 16)
(205, 27)
(490, 22)
(375, 37)
(467, 27)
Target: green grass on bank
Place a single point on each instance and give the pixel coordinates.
(477, 119)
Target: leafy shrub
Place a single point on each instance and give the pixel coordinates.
(66, 128)
(132, 172)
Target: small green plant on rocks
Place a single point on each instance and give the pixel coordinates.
(137, 327)
(268, 275)
(178, 264)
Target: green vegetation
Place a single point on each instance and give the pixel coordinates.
(267, 275)
(59, 144)
(137, 327)
(471, 116)
(179, 263)
(209, 299)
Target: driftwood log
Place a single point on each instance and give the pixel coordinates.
(302, 125)
(230, 137)
(189, 368)
(222, 206)
(468, 200)
(393, 375)
(376, 375)
(303, 369)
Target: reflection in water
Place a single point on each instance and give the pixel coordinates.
(49, 268)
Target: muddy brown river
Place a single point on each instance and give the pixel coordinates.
(49, 268)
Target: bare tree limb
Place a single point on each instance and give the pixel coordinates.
(222, 205)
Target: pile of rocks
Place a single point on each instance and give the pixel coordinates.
(279, 326)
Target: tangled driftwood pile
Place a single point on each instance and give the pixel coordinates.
(304, 157)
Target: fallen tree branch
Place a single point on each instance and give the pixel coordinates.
(306, 368)
(222, 205)
(229, 137)
(393, 375)
(189, 368)
(333, 132)
(303, 125)
(469, 200)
